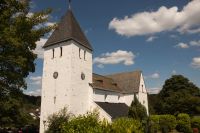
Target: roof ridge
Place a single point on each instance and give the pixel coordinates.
(102, 76)
(124, 72)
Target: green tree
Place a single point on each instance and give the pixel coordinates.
(19, 31)
(137, 110)
(178, 95)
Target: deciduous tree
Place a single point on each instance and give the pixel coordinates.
(179, 95)
(19, 31)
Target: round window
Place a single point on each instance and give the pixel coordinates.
(55, 75)
(82, 76)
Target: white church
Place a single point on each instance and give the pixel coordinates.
(68, 79)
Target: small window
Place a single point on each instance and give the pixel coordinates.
(54, 100)
(53, 53)
(143, 102)
(142, 89)
(105, 96)
(61, 51)
(84, 55)
(118, 97)
(79, 53)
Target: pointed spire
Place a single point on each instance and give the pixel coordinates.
(69, 3)
(68, 29)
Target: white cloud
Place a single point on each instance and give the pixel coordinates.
(174, 72)
(35, 80)
(195, 43)
(164, 19)
(155, 75)
(173, 36)
(120, 56)
(29, 15)
(196, 62)
(39, 50)
(36, 92)
(44, 25)
(193, 31)
(182, 45)
(151, 38)
(155, 90)
(100, 66)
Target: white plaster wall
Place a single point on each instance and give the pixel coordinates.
(142, 95)
(80, 89)
(51, 87)
(128, 98)
(111, 97)
(69, 89)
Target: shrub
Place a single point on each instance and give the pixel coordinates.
(126, 125)
(154, 126)
(137, 110)
(195, 122)
(56, 120)
(167, 123)
(88, 123)
(183, 123)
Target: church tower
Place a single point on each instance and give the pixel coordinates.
(67, 71)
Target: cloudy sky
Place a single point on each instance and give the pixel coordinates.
(159, 37)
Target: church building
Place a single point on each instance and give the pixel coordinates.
(68, 79)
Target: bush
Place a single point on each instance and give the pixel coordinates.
(183, 123)
(137, 110)
(88, 123)
(195, 122)
(164, 123)
(167, 123)
(154, 126)
(126, 125)
(56, 120)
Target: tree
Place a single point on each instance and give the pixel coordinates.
(178, 95)
(19, 31)
(137, 110)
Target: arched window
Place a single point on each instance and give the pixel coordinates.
(53, 53)
(84, 55)
(61, 51)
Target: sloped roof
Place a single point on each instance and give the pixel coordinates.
(104, 83)
(129, 82)
(126, 82)
(68, 29)
(115, 110)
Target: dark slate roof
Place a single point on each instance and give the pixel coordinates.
(129, 82)
(126, 82)
(115, 110)
(68, 29)
(104, 83)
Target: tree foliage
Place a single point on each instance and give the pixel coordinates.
(19, 32)
(137, 110)
(178, 95)
(126, 125)
(183, 123)
(14, 112)
(91, 123)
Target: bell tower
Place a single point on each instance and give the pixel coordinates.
(67, 71)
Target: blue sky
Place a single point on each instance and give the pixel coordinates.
(159, 37)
